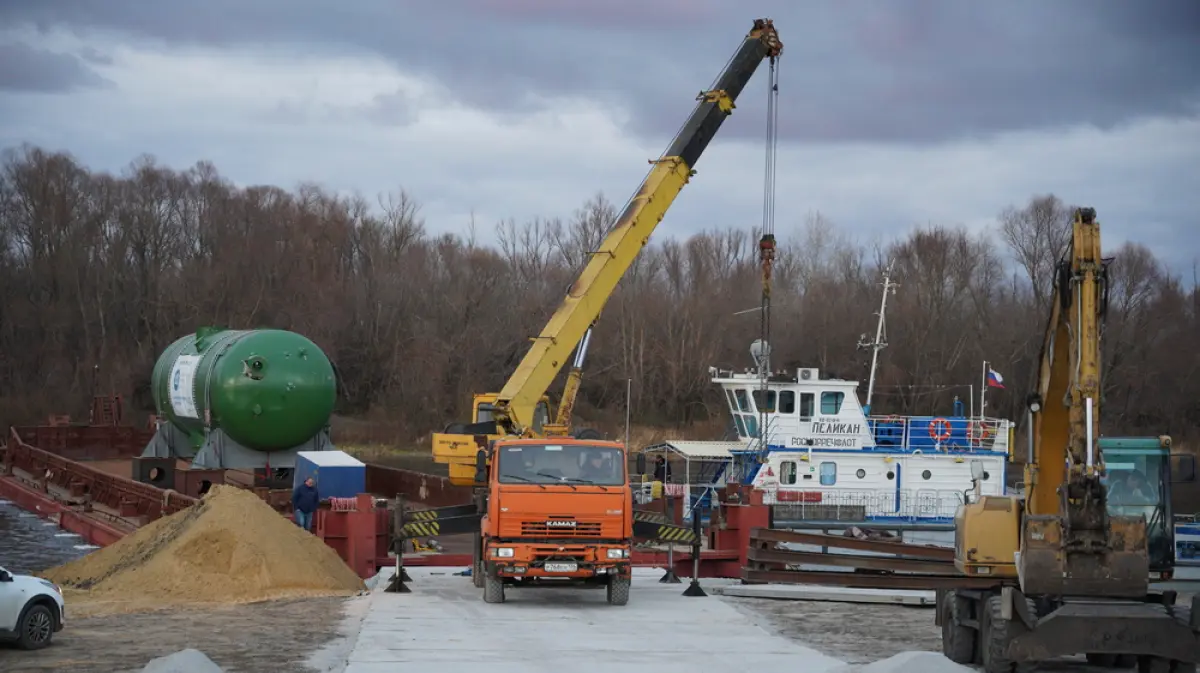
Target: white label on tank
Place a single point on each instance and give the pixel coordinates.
(183, 376)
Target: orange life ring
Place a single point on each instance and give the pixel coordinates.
(939, 423)
(978, 431)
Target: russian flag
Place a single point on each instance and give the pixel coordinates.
(994, 380)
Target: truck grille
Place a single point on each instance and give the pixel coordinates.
(549, 529)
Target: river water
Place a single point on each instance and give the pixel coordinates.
(30, 544)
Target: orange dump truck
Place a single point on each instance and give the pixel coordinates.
(559, 512)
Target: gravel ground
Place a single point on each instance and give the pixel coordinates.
(862, 633)
(854, 633)
(272, 636)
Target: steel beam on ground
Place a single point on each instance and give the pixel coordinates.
(867, 581)
(788, 557)
(880, 546)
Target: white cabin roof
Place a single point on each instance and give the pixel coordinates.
(697, 448)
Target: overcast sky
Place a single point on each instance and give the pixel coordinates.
(892, 114)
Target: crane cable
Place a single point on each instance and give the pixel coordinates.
(766, 248)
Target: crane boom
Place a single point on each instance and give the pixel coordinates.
(669, 173)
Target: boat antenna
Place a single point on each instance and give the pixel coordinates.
(766, 250)
(880, 340)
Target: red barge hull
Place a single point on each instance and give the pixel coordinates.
(72, 474)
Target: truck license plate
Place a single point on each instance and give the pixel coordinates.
(561, 567)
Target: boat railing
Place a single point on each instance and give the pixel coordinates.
(944, 434)
(858, 505)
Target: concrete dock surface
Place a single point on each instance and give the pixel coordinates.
(444, 621)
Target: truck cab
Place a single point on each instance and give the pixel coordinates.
(559, 513)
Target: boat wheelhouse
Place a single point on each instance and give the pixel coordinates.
(820, 457)
(825, 458)
(806, 441)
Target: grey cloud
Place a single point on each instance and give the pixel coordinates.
(93, 55)
(916, 71)
(27, 68)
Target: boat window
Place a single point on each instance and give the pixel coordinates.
(751, 425)
(831, 403)
(861, 474)
(806, 406)
(732, 402)
(741, 427)
(787, 402)
(764, 405)
(787, 472)
(926, 475)
(828, 473)
(891, 475)
(742, 400)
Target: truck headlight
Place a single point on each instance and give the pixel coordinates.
(503, 552)
(618, 553)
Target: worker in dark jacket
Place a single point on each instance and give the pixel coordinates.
(304, 502)
(662, 471)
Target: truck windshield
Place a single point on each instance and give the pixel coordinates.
(561, 464)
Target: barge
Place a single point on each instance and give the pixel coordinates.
(92, 480)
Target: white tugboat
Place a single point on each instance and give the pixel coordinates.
(818, 455)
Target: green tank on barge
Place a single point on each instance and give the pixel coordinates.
(241, 399)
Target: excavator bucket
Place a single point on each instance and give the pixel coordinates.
(1113, 564)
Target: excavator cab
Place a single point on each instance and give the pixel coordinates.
(1138, 478)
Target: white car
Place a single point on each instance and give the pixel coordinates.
(32, 610)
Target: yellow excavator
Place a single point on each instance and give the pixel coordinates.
(521, 408)
(1071, 564)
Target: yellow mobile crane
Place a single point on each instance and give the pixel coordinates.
(521, 408)
(1066, 571)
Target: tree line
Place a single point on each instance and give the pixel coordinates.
(100, 272)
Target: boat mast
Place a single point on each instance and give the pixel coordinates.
(880, 341)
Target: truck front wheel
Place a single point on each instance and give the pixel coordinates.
(493, 588)
(618, 590)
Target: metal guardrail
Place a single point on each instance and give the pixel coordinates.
(92, 485)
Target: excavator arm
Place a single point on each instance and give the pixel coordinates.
(515, 405)
(1066, 404)
(1070, 544)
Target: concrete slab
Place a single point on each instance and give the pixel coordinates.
(805, 592)
(444, 621)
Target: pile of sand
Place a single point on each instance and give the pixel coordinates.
(231, 547)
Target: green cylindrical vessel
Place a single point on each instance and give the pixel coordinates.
(268, 390)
